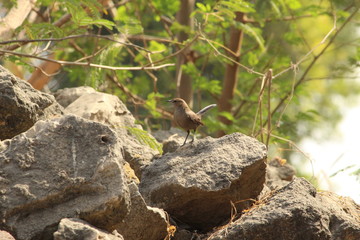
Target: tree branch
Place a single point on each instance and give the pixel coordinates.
(64, 19)
(88, 64)
(228, 58)
(24, 41)
(286, 18)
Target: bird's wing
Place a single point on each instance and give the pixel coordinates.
(195, 118)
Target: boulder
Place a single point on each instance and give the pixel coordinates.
(64, 167)
(279, 173)
(21, 105)
(109, 110)
(196, 183)
(143, 222)
(171, 139)
(76, 229)
(163, 135)
(297, 212)
(67, 96)
(172, 143)
(6, 236)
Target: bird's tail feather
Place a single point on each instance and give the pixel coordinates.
(205, 109)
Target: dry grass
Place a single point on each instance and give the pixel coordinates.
(235, 215)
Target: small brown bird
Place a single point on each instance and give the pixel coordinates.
(185, 118)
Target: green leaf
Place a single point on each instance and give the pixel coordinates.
(102, 22)
(202, 7)
(126, 23)
(276, 8)
(294, 4)
(43, 30)
(236, 6)
(151, 103)
(252, 58)
(145, 138)
(110, 56)
(253, 32)
(168, 7)
(227, 115)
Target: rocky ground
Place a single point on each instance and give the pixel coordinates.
(71, 168)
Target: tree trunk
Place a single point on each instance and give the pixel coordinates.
(231, 73)
(183, 81)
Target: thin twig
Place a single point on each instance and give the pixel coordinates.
(64, 19)
(226, 57)
(24, 41)
(303, 77)
(269, 76)
(177, 52)
(137, 100)
(317, 46)
(295, 70)
(153, 38)
(286, 18)
(220, 45)
(259, 108)
(331, 78)
(291, 143)
(89, 64)
(43, 71)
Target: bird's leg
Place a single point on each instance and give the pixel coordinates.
(188, 131)
(193, 136)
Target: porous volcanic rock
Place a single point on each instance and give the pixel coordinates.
(64, 167)
(143, 222)
(21, 105)
(297, 212)
(109, 110)
(196, 183)
(76, 229)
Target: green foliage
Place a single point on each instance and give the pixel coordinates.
(43, 30)
(9, 3)
(127, 23)
(254, 33)
(167, 7)
(151, 102)
(230, 7)
(145, 138)
(201, 82)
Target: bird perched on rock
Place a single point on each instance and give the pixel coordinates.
(185, 118)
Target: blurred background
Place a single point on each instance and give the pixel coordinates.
(283, 71)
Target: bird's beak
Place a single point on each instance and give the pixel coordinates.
(169, 100)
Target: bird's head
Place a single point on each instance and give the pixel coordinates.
(177, 102)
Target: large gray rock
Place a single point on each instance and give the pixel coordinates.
(297, 212)
(64, 167)
(109, 110)
(6, 236)
(21, 105)
(171, 139)
(196, 183)
(164, 135)
(67, 96)
(76, 229)
(143, 222)
(279, 173)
